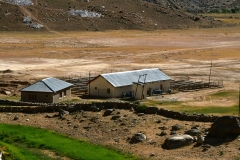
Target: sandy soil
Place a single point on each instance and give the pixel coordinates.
(179, 53)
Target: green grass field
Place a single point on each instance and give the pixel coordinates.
(208, 110)
(12, 98)
(27, 143)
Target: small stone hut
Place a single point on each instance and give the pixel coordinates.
(49, 90)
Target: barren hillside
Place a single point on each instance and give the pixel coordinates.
(199, 6)
(97, 15)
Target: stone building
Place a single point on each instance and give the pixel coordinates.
(49, 90)
(137, 84)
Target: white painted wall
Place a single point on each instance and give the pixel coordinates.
(163, 85)
(99, 86)
(120, 90)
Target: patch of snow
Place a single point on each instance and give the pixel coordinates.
(36, 25)
(21, 2)
(27, 19)
(84, 13)
(7, 14)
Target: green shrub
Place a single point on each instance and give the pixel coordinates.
(141, 107)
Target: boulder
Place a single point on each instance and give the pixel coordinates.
(108, 112)
(63, 113)
(94, 108)
(115, 117)
(200, 140)
(163, 133)
(193, 132)
(151, 110)
(138, 137)
(195, 127)
(176, 127)
(163, 127)
(173, 132)
(48, 116)
(15, 118)
(225, 126)
(206, 147)
(177, 141)
(140, 114)
(93, 119)
(158, 121)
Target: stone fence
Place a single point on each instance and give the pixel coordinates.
(27, 107)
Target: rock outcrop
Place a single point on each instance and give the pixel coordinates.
(224, 127)
(138, 137)
(178, 141)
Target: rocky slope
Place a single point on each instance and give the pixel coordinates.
(199, 6)
(64, 15)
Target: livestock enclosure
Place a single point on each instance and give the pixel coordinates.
(178, 84)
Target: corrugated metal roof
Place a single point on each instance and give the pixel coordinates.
(47, 85)
(119, 79)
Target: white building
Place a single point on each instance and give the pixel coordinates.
(137, 83)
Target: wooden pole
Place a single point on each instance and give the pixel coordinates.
(137, 85)
(143, 86)
(89, 83)
(142, 91)
(210, 73)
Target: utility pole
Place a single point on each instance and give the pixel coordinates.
(89, 75)
(210, 73)
(143, 85)
(137, 85)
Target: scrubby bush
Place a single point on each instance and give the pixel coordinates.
(141, 107)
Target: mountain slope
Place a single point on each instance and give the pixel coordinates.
(200, 6)
(115, 14)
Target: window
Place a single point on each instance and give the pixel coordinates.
(65, 93)
(108, 90)
(60, 95)
(46, 96)
(95, 87)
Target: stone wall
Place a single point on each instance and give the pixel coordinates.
(28, 107)
(186, 117)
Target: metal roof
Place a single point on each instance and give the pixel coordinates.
(47, 85)
(119, 79)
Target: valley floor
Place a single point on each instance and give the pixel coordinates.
(179, 53)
